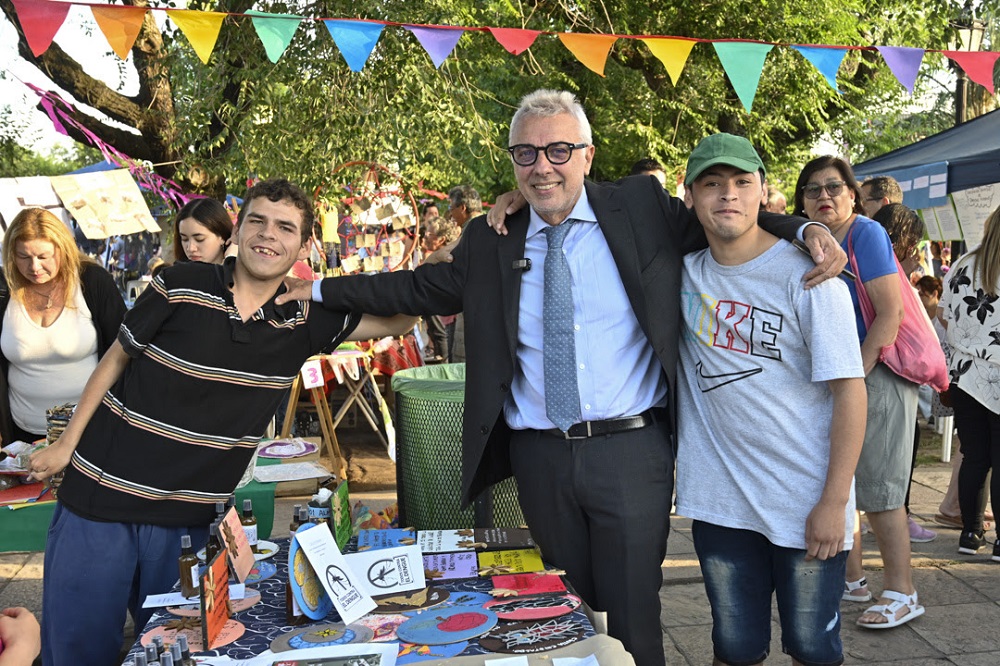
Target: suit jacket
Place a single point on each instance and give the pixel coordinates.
(648, 233)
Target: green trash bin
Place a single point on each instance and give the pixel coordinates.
(430, 403)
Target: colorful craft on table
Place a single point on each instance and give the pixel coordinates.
(411, 601)
(439, 626)
(541, 607)
(461, 598)
(379, 539)
(234, 538)
(232, 631)
(250, 599)
(448, 566)
(322, 635)
(214, 589)
(500, 562)
(383, 625)
(306, 586)
(265, 549)
(410, 653)
(295, 447)
(503, 538)
(446, 541)
(531, 637)
(261, 571)
(533, 583)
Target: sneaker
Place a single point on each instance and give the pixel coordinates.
(996, 551)
(919, 533)
(970, 542)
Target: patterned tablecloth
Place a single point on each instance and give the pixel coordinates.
(265, 621)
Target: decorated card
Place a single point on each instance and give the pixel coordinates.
(499, 562)
(532, 583)
(499, 538)
(334, 574)
(214, 600)
(237, 545)
(446, 566)
(376, 539)
(340, 513)
(446, 541)
(388, 570)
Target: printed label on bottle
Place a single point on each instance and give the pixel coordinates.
(251, 531)
(195, 578)
(321, 512)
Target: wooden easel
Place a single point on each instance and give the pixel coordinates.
(325, 422)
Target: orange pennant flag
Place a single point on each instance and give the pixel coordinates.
(673, 53)
(591, 50)
(201, 29)
(120, 25)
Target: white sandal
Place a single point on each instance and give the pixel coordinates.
(888, 611)
(859, 584)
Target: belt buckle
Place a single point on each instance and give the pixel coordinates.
(589, 434)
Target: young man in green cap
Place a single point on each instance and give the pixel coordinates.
(771, 417)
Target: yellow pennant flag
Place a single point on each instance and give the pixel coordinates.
(201, 29)
(673, 53)
(120, 25)
(591, 50)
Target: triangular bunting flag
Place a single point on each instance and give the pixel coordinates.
(120, 25)
(591, 50)
(903, 61)
(201, 29)
(40, 22)
(977, 64)
(355, 39)
(515, 40)
(827, 61)
(673, 53)
(743, 62)
(438, 42)
(275, 31)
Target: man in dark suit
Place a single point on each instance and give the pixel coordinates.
(591, 454)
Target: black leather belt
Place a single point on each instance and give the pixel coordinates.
(609, 426)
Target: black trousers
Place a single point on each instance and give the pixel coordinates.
(979, 433)
(599, 508)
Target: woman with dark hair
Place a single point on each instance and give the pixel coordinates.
(202, 229)
(827, 192)
(905, 229)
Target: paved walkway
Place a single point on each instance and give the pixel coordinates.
(961, 594)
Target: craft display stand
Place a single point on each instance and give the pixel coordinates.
(326, 422)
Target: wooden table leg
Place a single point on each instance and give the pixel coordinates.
(329, 433)
(293, 404)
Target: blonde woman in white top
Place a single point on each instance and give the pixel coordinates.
(59, 312)
(972, 310)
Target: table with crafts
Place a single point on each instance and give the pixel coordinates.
(451, 620)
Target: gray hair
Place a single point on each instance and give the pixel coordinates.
(547, 103)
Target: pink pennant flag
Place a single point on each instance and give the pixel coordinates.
(438, 42)
(904, 62)
(591, 50)
(40, 20)
(977, 64)
(515, 40)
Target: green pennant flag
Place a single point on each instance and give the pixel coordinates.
(275, 31)
(743, 63)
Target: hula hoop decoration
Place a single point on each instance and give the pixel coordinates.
(374, 226)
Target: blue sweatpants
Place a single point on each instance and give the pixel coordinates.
(94, 573)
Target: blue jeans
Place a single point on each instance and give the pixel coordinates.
(742, 569)
(94, 573)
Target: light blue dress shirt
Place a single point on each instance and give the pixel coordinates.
(617, 371)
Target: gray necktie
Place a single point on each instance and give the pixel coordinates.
(562, 394)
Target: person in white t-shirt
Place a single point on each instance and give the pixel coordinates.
(772, 409)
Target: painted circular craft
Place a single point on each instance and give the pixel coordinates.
(231, 631)
(266, 549)
(321, 635)
(439, 626)
(410, 653)
(383, 625)
(306, 587)
(543, 607)
(459, 598)
(287, 449)
(531, 637)
(250, 598)
(261, 570)
(413, 600)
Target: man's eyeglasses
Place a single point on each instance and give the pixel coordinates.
(812, 190)
(559, 152)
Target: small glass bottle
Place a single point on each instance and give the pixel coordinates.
(166, 659)
(249, 523)
(220, 510)
(158, 643)
(139, 659)
(186, 658)
(295, 524)
(188, 565)
(213, 546)
(151, 654)
(175, 652)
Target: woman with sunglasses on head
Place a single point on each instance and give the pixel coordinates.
(827, 192)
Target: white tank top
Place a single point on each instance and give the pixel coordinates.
(48, 366)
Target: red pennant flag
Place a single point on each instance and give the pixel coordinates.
(977, 64)
(515, 40)
(40, 21)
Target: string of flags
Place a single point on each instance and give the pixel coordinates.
(742, 60)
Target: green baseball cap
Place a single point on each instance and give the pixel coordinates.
(722, 148)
